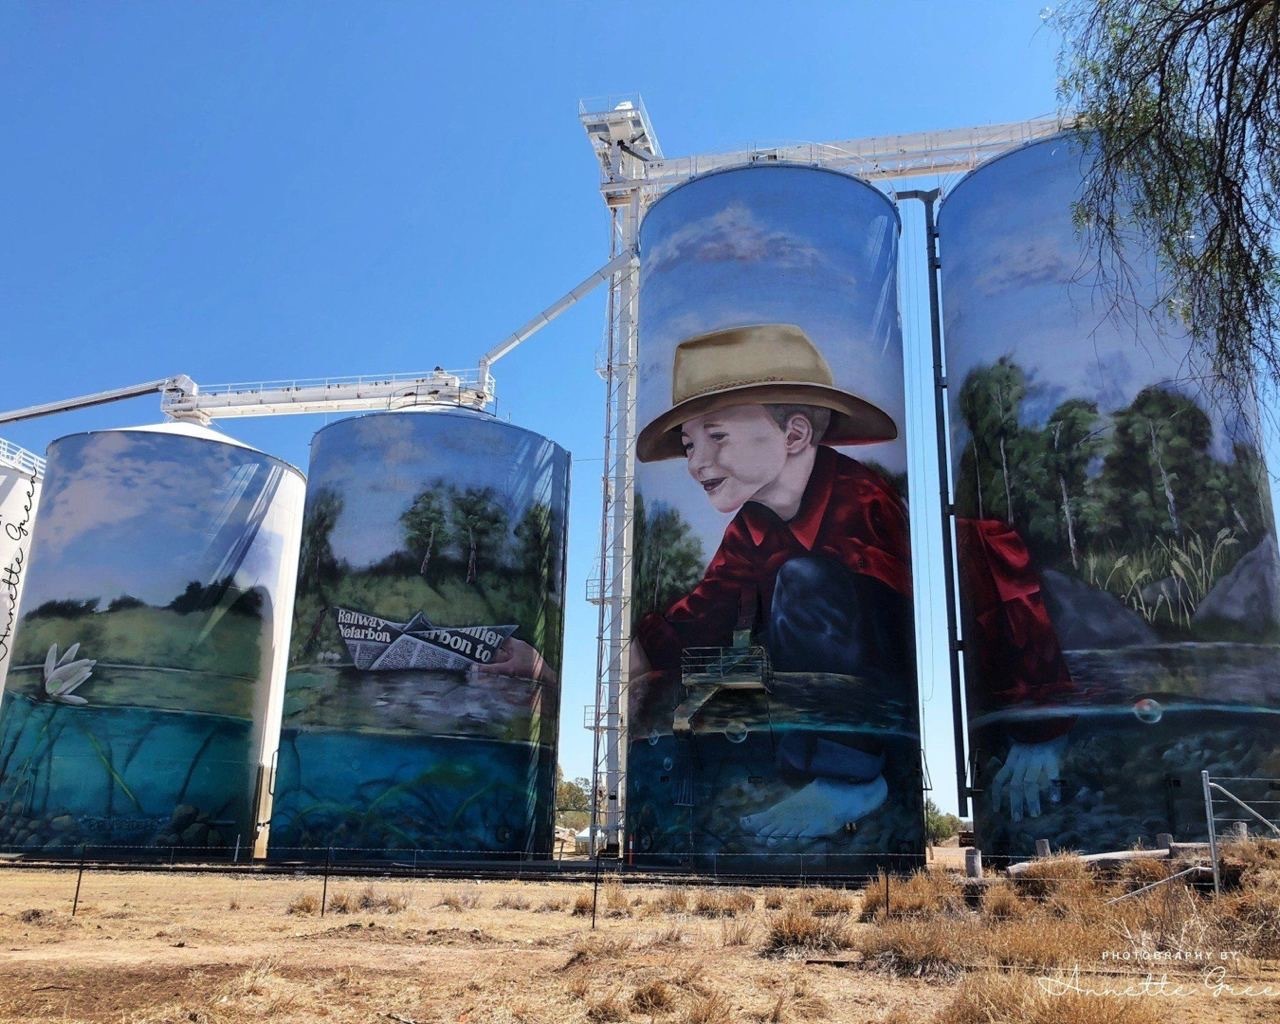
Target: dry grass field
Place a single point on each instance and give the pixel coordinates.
(220, 949)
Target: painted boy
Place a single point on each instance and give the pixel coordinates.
(815, 560)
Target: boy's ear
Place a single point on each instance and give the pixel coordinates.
(798, 433)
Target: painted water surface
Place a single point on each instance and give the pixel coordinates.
(132, 718)
(422, 699)
(1140, 645)
(772, 691)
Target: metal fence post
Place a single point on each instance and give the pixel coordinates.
(1213, 838)
(75, 900)
(324, 891)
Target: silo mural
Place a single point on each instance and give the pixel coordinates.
(152, 622)
(20, 480)
(772, 709)
(422, 702)
(1118, 564)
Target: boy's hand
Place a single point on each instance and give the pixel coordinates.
(1028, 769)
(516, 658)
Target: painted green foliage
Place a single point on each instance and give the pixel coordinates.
(1123, 499)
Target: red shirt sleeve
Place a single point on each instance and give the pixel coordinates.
(1014, 655)
(707, 615)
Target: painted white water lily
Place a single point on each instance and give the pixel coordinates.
(62, 676)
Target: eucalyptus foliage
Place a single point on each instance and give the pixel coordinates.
(1182, 100)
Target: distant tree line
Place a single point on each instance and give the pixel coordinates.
(195, 597)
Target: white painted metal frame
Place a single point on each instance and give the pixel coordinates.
(13, 457)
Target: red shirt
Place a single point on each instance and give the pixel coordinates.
(847, 513)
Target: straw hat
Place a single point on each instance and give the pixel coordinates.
(773, 364)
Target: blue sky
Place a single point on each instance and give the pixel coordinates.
(247, 192)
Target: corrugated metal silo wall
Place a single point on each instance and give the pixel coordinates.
(770, 519)
(1117, 554)
(422, 704)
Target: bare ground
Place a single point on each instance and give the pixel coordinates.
(212, 949)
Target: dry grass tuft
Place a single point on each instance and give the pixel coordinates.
(723, 903)
(926, 894)
(1061, 880)
(797, 929)
(736, 931)
(31, 916)
(371, 899)
(552, 904)
(608, 1007)
(652, 997)
(342, 903)
(1017, 999)
(672, 935)
(614, 900)
(592, 949)
(512, 901)
(459, 900)
(774, 899)
(830, 901)
(1001, 902)
(304, 903)
(1143, 871)
(672, 901)
(1035, 941)
(872, 898)
(582, 905)
(712, 1008)
(915, 947)
(1250, 922)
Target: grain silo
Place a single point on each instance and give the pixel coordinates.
(21, 474)
(772, 713)
(422, 701)
(1117, 558)
(150, 646)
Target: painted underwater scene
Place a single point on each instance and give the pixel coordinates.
(131, 724)
(402, 765)
(1152, 719)
(422, 701)
(123, 781)
(689, 792)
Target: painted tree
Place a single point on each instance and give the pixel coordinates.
(426, 530)
(481, 526)
(1073, 439)
(990, 401)
(1156, 472)
(316, 557)
(668, 560)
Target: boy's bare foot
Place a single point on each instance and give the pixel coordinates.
(821, 808)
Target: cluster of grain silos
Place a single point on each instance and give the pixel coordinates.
(202, 662)
(152, 668)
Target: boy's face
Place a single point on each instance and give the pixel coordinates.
(734, 453)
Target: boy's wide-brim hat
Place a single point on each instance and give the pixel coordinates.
(769, 364)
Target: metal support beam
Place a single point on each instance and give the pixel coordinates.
(881, 157)
(928, 198)
(586, 287)
(179, 383)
